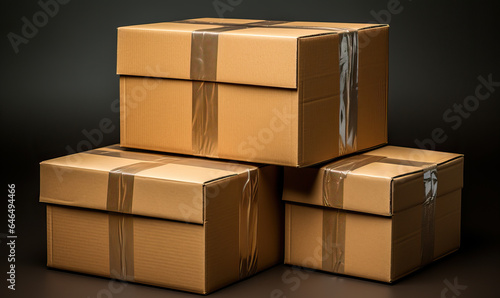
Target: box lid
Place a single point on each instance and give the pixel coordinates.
(382, 181)
(255, 52)
(135, 182)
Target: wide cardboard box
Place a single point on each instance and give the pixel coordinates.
(183, 223)
(379, 215)
(285, 93)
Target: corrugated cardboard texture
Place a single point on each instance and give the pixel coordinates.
(296, 124)
(262, 56)
(376, 247)
(256, 124)
(166, 253)
(180, 254)
(166, 191)
(387, 188)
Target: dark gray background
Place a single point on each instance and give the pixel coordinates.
(63, 82)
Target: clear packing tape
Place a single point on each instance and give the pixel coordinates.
(334, 220)
(203, 72)
(121, 222)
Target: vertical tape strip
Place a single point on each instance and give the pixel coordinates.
(121, 185)
(248, 219)
(121, 230)
(348, 107)
(204, 51)
(428, 216)
(121, 246)
(333, 244)
(205, 118)
(204, 48)
(335, 173)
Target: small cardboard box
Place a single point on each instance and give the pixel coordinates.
(379, 215)
(284, 93)
(182, 223)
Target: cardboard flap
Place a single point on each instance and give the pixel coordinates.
(391, 182)
(147, 184)
(244, 51)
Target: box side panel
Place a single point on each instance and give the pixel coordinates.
(368, 246)
(258, 124)
(155, 197)
(450, 176)
(258, 56)
(370, 194)
(223, 238)
(165, 253)
(407, 237)
(80, 240)
(306, 185)
(255, 123)
(173, 200)
(156, 114)
(319, 98)
(408, 190)
(169, 254)
(373, 86)
(447, 226)
(367, 241)
(155, 53)
(222, 231)
(304, 238)
(73, 186)
(407, 226)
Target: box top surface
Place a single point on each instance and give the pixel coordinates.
(240, 51)
(157, 183)
(382, 181)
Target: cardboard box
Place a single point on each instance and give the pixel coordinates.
(285, 93)
(182, 223)
(379, 215)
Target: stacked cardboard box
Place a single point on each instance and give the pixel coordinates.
(291, 94)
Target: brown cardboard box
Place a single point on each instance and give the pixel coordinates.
(183, 223)
(282, 93)
(378, 215)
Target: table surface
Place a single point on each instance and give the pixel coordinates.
(470, 272)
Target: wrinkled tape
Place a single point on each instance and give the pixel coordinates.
(428, 214)
(335, 174)
(333, 244)
(248, 219)
(121, 246)
(205, 118)
(334, 219)
(348, 110)
(204, 51)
